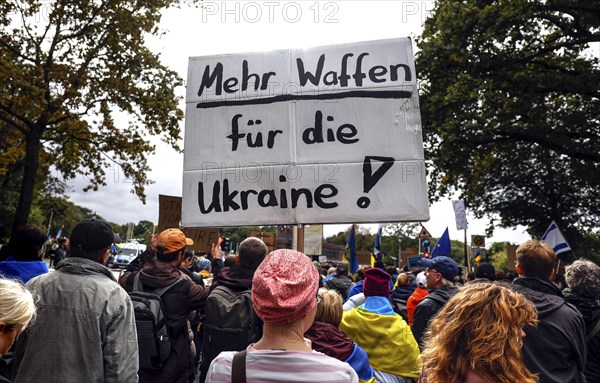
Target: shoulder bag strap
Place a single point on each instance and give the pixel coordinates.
(594, 331)
(137, 284)
(238, 367)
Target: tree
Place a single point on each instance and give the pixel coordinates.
(510, 101)
(70, 72)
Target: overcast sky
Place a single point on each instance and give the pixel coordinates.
(232, 27)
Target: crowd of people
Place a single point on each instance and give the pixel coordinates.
(278, 317)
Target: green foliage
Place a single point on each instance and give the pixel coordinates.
(67, 70)
(498, 256)
(511, 111)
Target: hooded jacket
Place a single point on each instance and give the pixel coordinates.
(329, 340)
(413, 301)
(556, 349)
(341, 284)
(238, 278)
(179, 302)
(590, 311)
(84, 330)
(426, 310)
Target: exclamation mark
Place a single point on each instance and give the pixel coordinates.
(371, 178)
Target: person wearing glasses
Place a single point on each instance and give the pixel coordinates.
(440, 274)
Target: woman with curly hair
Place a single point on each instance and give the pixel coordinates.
(477, 337)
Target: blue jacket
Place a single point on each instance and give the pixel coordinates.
(22, 271)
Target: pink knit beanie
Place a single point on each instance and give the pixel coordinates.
(284, 287)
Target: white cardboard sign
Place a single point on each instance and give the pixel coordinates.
(322, 135)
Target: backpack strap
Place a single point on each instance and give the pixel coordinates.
(238, 367)
(137, 285)
(163, 290)
(594, 331)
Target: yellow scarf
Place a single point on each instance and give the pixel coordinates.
(387, 340)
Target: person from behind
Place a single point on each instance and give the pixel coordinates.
(284, 295)
(485, 272)
(399, 296)
(17, 310)
(328, 339)
(384, 335)
(556, 349)
(360, 277)
(583, 291)
(340, 282)
(402, 291)
(62, 252)
(93, 335)
(21, 258)
(230, 322)
(416, 297)
(459, 349)
(180, 300)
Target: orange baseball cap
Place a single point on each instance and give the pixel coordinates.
(171, 240)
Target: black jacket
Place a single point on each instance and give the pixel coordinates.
(426, 310)
(590, 310)
(556, 349)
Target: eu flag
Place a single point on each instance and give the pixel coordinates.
(350, 252)
(442, 247)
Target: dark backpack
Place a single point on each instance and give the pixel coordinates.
(230, 324)
(154, 340)
(399, 306)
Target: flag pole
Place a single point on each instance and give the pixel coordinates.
(50, 222)
(467, 260)
(300, 238)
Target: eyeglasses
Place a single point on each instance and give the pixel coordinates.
(430, 270)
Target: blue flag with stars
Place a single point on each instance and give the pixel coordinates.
(442, 247)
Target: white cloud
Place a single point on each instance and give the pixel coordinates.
(234, 26)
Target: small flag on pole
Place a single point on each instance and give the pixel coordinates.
(460, 215)
(59, 235)
(442, 247)
(377, 245)
(555, 239)
(350, 252)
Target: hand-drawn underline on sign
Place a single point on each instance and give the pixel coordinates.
(381, 94)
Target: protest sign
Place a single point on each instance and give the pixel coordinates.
(169, 215)
(322, 135)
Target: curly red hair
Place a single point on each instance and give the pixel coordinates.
(479, 330)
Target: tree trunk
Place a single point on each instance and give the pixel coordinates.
(32, 164)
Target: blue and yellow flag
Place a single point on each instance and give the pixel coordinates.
(350, 252)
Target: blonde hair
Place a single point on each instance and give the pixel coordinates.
(17, 306)
(329, 309)
(402, 280)
(479, 330)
